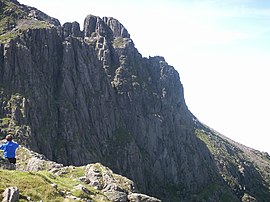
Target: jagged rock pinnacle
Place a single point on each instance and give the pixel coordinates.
(107, 26)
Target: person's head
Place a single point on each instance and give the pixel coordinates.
(9, 138)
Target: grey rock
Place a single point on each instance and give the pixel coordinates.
(94, 25)
(72, 29)
(37, 14)
(94, 98)
(116, 196)
(117, 28)
(104, 179)
(11, 194)
(248, 198)
(31, 12)
(136, 197)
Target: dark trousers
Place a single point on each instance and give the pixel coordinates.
(11, 160)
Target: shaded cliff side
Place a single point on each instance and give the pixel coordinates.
(80, 97)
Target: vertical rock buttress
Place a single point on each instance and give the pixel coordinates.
(83, 97)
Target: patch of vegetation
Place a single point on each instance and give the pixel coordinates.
(227, 163)
(80, 194)
(119, 42)
(22, 26)
(30, 185)
(10, 13)
(46, 186)
(12, 110)
(238, 165)
(206, 139)
(14, 20)
(63, 183)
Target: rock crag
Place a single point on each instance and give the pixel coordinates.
(80, 97)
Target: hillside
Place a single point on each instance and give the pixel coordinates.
(82, 97)
(38, 179)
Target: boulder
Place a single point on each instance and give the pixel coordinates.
(248, 198)
(116, 196)
(104, 179)
(136, 197)
(11, 194)
(72, 29)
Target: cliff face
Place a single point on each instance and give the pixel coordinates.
(89, 96)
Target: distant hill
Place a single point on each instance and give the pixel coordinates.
(81, 97)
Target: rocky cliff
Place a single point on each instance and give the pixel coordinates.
(88, 96)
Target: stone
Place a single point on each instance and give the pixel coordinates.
(117, 28)
(95, 25)
(11, 194)
(104, 179)
(72, 29)
(248, 198)
(54, 185)
(136, 197)
(116, 196)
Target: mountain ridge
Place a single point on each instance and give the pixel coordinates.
(63, 87)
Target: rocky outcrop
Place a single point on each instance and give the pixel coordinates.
(93, 182)
(89, 96)
(16, 17)
(135, 197)
(72, 29)
(28, 160)
(248, 198)
(244, 169)
(114, 187)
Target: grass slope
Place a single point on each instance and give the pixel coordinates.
(245, 170)
(46, 186)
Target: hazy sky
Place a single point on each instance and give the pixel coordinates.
(221, 48)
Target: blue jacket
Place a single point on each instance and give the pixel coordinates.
(9, 149)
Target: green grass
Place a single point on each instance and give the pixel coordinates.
(30, 185)
(38, 185)
(206, 139)
(63, 183)
(24, 25)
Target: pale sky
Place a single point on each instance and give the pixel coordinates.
(221, 49)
